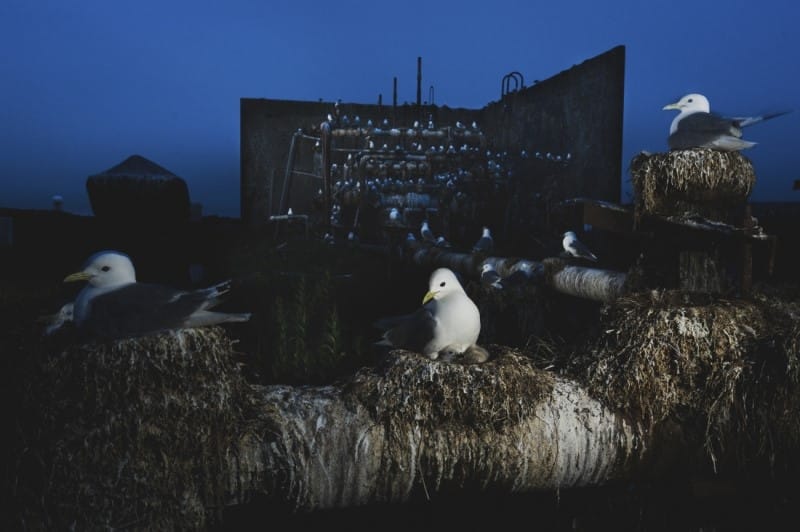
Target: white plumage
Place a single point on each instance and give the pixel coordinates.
(114, 305)
(448, 321)
(576, 248)
(696, 126)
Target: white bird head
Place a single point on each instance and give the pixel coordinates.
(570, 234)
(486, 232)
(442, 283)
(691, 103)
(486, 267)
(105, 269)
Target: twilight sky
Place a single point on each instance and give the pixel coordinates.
(86, 83)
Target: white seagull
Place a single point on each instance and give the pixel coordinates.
(448, 321)
(490, 278)
(697, 127)
(576, 248)
(426, 233)
(485, 243)
(114, 305)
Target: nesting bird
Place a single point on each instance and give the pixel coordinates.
(448, 322)
(576, 248)
(485, 243)
(490, 278)
(114, 305)
(697, 127)
(426, 233)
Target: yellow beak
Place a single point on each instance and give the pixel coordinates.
(77, 276)
(670, 106)
(430, 295)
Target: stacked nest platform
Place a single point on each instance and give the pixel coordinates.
(701, 181)
(724, 372)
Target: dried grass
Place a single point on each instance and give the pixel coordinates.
(140, 429)
(686, 180)
(729, 365)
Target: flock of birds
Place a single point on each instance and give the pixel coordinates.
(113, 304)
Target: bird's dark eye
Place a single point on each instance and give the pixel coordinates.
(690, 100)
(442, 284)
(105, 268)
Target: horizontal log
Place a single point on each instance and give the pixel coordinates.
(579, 281)
(420, 428)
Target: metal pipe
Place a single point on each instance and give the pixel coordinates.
(287, 176)
(419, 81)
(394, 101)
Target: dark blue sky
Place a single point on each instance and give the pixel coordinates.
(86, 83)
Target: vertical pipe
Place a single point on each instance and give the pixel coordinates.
(394, 100)
(325, 145)
(419, 81)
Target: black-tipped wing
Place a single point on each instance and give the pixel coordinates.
(410, 331)
(579, 249)
(701, 130)
(141, 308)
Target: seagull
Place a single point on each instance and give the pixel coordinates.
(441, 242)
(485, 243)
(576, 248)
(56, 321)
(448, 321)
(426, 233)
(521, 275)
(697, 127)
(114, 305)
(490, 278)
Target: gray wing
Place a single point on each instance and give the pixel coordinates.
(483, 245)
(142, 308)
(700, 129)
(582, 251)
(491, 279)
(410, 331)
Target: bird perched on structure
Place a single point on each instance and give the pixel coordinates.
(485, 243)
(697, 127)
(394, 215)
(114, 305)
(426, 233)
(441, 242)
(490, 278)
(448, 321)
(576, 248)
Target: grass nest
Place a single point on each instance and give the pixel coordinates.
(137, 430)
(727, 366)
(703, 180)
(409, 388)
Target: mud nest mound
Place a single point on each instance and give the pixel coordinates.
(139, 430)
(728, 367)
(704, 181)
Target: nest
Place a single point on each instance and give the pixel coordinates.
(460, 409)
(485, 397)
(700, 180)
(140, 429)
(728, 366)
